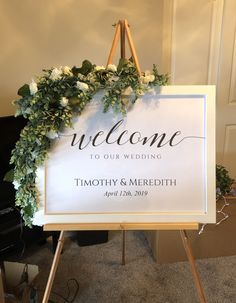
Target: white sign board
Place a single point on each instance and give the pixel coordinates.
(156, 164)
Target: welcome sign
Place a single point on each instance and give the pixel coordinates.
(156, 164)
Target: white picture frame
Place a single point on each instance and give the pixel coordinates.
(193, 107)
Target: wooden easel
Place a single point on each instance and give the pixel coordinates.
(122, 31)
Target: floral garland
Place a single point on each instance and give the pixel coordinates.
(51, 102)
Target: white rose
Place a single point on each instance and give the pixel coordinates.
(56, 74)
(82, 86)
(146, 79)
(111, 67)
(151, 78)
(16, 184)
(64, 101)
(33, 87)
(67, 70)
(99, 67)
(52, 135)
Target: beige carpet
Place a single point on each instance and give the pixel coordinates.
(102, 278)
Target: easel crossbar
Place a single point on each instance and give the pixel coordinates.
(120, 226)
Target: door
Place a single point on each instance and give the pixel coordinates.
(226, 91)
(201, 39)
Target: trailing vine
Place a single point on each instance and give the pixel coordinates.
(50, 103)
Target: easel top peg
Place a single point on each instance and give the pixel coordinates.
(122, 32)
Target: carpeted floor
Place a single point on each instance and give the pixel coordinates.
(102, 278)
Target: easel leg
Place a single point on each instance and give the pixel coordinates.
(123, 247)
(54, 267)
(197, 280)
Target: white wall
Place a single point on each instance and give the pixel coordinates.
(40, 34)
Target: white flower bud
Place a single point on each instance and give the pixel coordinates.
(82, 86)
(67, 70)
(16, 184)
(33, 87)
(52, 135)
(147, 78)
(111, 67)
(143, 79)
(56, 74)
(64, 101)
(99, 67)
(151, 78)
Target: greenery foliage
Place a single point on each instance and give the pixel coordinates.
(223, 181)
(53, 100)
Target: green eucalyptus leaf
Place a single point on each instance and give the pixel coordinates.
(18, 112)
(85, 69)
(122, 63)
(9, 176)
(75, 70)
(24, 91)
(69, 92)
